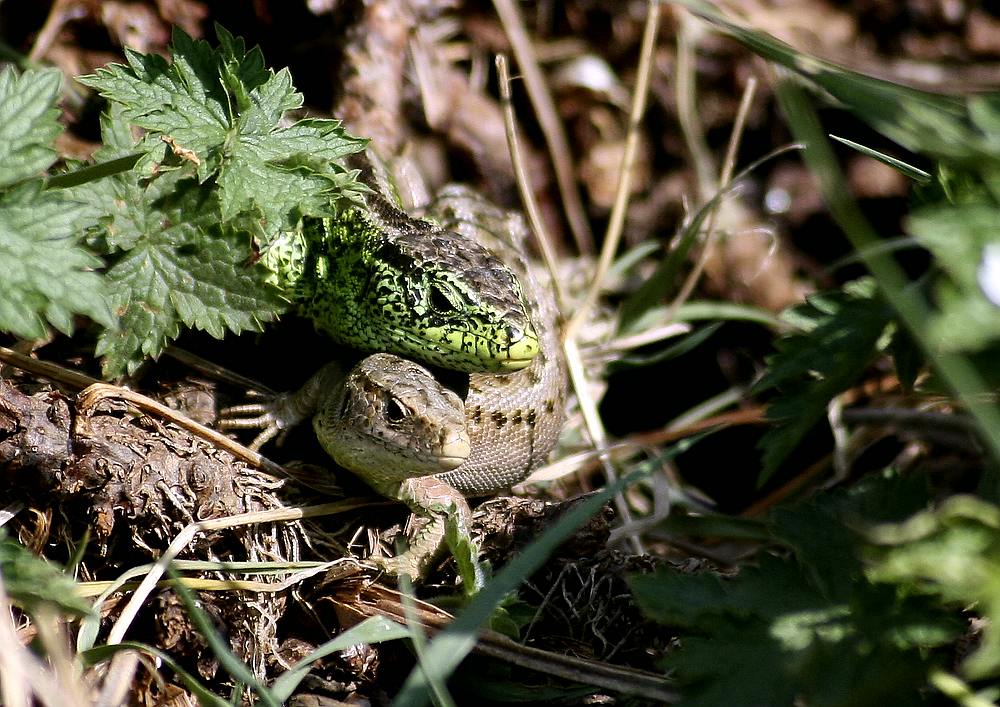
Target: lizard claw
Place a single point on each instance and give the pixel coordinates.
(273, 416)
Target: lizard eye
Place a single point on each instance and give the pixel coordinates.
(395, 411)
(441, 299)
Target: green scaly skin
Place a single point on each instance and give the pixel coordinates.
(380, 280)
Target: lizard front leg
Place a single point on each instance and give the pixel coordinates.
(448, 520)
(276, 414)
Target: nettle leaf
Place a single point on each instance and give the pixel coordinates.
(804, 625)
(771, 637)
(953, 552)
(28, 123)
(228, 110)
(184, 99)
(176, 276)
(838, 335)
(173, 263)
(285, 187)
(222, 167)
(135, 209)
(121, 198)
(47, 276)
(966, 244)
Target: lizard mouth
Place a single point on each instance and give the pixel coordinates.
(464, 350)
(454, 451)
(519, 354)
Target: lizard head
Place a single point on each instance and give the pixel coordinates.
(393, 421)
(449, 301)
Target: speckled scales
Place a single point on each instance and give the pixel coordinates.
(368, 279)
(513, 420)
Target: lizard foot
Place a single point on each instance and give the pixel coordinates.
(273, 415)
(414, 563)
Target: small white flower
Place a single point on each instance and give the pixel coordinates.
(989, 273)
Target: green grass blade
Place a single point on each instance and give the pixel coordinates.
(233, 665)
(666, 275)
(929, 123)
(904, 168)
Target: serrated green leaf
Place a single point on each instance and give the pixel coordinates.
(47, 277)
(147, 319)
(824, 547)
(28, 123)
(749, 665)
(177, 276)
(839, 333)
(120, 199)
(789, 629)
(219, 165)
(228, 109)
(704, 600)
(749, 678)
(768, 637)
(952, 551)
(134, 209)
(183, 100)
(281, 188)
